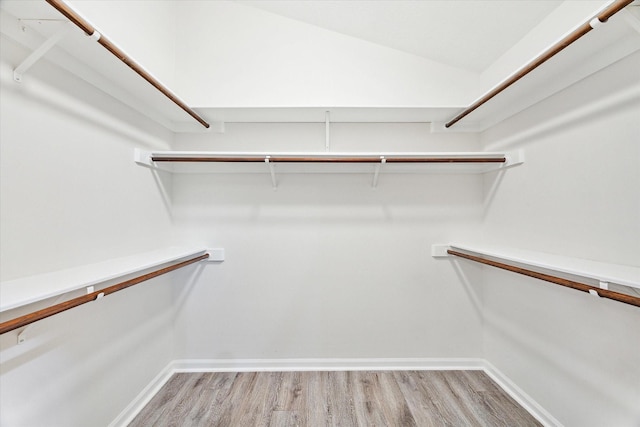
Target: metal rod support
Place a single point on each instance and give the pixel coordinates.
(35, 56)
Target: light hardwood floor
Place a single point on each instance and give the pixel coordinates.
(362, 398)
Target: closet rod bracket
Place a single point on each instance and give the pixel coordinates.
(440, 251)
(514, 158)
(327, 131)
(377, 171)
(272, 171)
(95, 36)
(215, 255)
(143, 158)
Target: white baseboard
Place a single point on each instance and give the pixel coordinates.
(139, 402)
(523, 399)
(283, 365)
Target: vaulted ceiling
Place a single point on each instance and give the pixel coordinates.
(469, 34)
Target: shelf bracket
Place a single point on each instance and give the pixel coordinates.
(22, 336)
(143, 158)
(439, 251)
(377, 171)
(272, 172)
(327, 131)
(514, 158)
(602, 285)
(35, 56)
(215, 255)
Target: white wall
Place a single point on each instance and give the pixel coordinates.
(145, 30)
(578, 194)
(560, 22)
(71, 195)
(326, 266)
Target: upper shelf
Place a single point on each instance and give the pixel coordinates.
(20, 292)
(95, 59)
(84, 57)
(337, 114)
(543, 76)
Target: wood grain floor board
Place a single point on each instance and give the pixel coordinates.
(255, 397)
(211, 399)
(456, 399)
(465, 394)
(502, 410)
(333, 399)
(490, 405)
(290, 396)
(444, 404)
(172, 392)
(232, 404)
(221, 389)
(393, 403)
(340, 403)
(420, 402)
(318, 411)
(365, 386)
(284, 419)
(186, 399)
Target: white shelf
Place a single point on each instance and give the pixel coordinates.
(84, 57)
(598, 49)
(20, 292)
(144, 158)
(337, 114)
(625, 275)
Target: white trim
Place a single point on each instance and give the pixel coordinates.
(140, 401)
(284, 365)
(523, 399)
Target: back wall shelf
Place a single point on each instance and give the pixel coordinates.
(327, 162)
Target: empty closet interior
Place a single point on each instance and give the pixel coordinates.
(242, 186)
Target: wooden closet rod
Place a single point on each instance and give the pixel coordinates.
(63, 8)
(26, 319)
(603, 16)
(333, 159)
(604, 293)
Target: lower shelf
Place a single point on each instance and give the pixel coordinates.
(28, 290)
(613, 281)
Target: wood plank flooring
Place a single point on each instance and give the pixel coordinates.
(360, 398)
